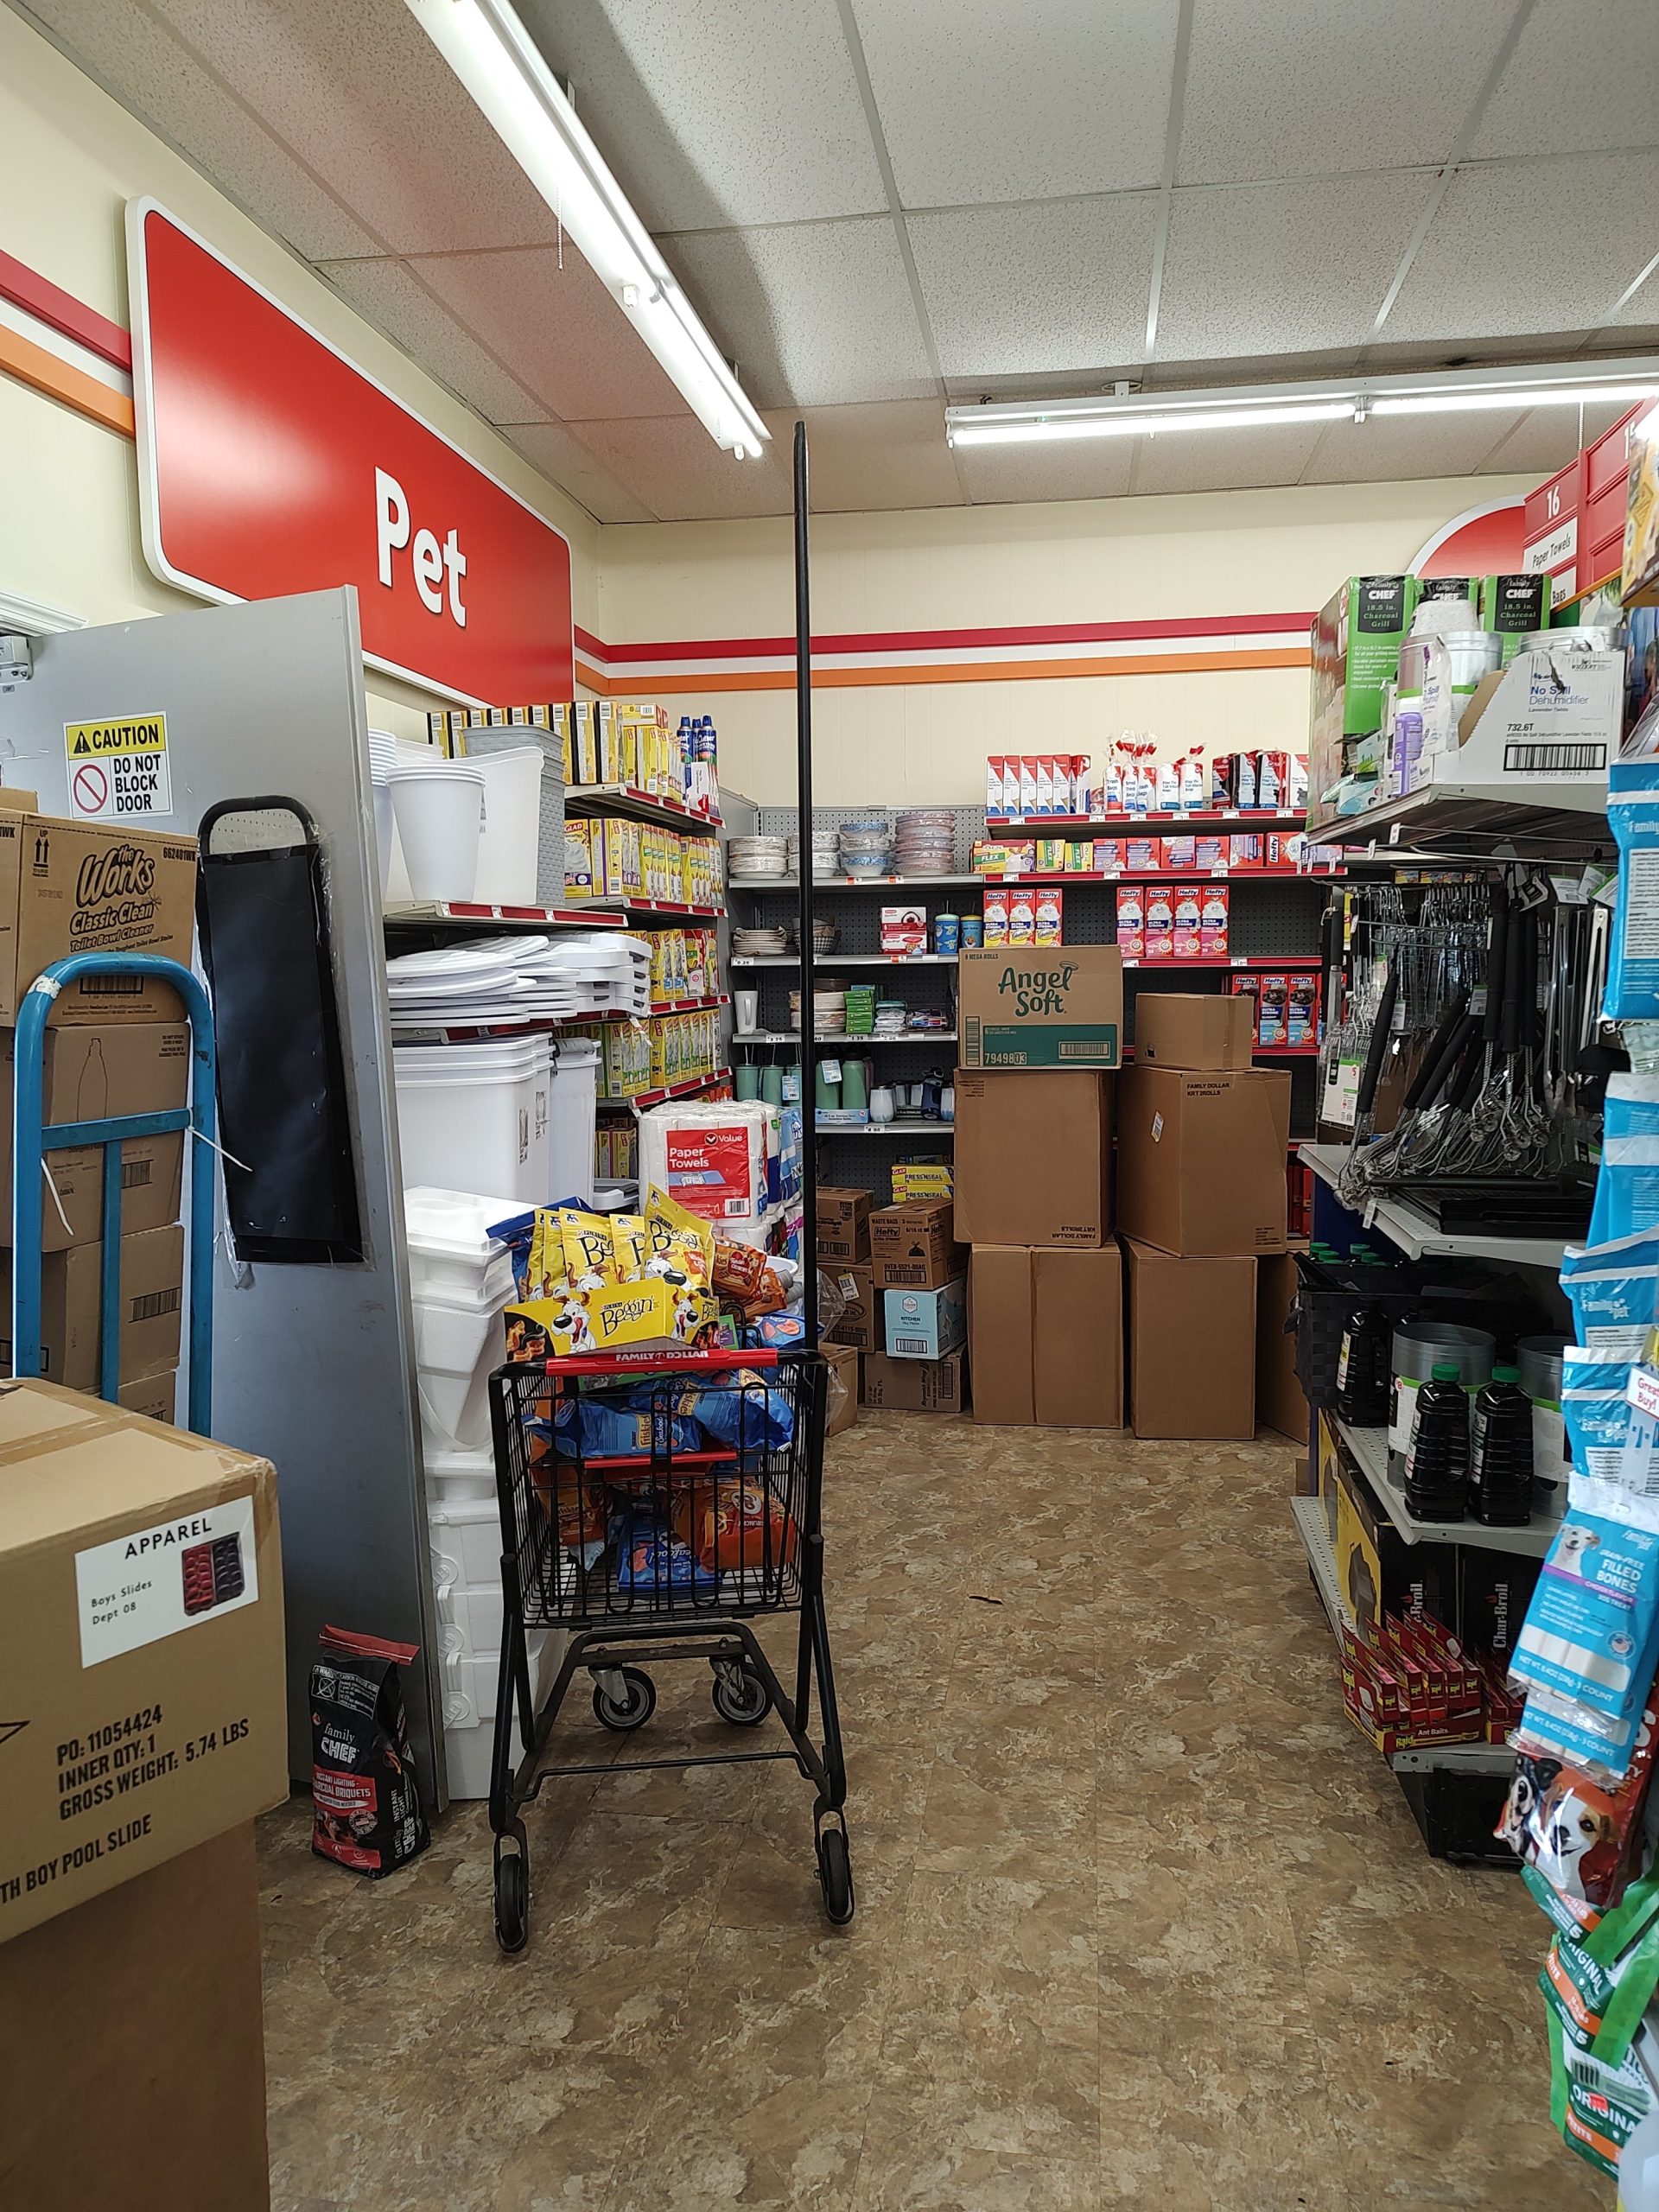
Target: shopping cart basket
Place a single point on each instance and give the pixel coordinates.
(653, 1505)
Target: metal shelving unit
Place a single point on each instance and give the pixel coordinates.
(1370, 1449)
(902, 1126)
(1417, 1233)
(639, 806)
(793, 1037)
(1555, 816)
(435, 913)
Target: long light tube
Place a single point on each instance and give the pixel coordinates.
(1156, 414)
(501, 66)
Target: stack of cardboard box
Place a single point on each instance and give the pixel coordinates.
(904, 1277)
(117, 1046)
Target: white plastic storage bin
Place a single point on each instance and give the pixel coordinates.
(511, 834)
(457, 1348)
(475, 1114)
(573, 1119)
(466, 1543)
(450, 1251)
(456, 1475)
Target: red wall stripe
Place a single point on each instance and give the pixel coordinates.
(62, 312)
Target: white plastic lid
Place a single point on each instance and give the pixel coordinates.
(454, 1225)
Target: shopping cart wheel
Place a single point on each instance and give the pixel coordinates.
(635, 1704)
(835, 1875)
(740, 1696)
(511, 1900)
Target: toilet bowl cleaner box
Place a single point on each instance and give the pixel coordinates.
(1201, 1158)
(140, 1646)
(70, 886)
(1040, 1006)
(1033, 1158)
(1192, 1345)
(1182, 1029)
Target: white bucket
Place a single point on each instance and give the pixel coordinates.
(572, 1120)
(450, 1251)
(439, 812)
(510, 843)
(457, 1474)
(475, 1114)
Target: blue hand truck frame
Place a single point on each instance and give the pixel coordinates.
(32, 1140)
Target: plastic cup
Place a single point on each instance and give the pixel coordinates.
(748, 1010)
(854, 1095)
(440, 816)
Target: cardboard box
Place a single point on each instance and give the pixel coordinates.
(154, 1396)
(1201, 1160)
(843, 1219)
(1279, 1401)
(916, 1386)
(1181, 1029)
(152, 1296)
(89, 1074)
(1045, 1336)
(1192, 1345)
(924, 1324)
(71, 887)
(844, 1358)
(1378, 1571)
(132, 2044)
(861, 1323)
(1033, 1158)
(1026, 1006)
(913, 1247)
(140, 1646)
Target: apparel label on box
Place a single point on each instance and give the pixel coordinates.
(152, 1582)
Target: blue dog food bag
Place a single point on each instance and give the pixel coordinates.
(1590, 1631)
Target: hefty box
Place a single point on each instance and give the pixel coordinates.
(1033, 1158)
(89, 1073)
(925, 1324)
(140, 1646)
(1029, 1007)
(913, 1247)
(1201, 1160)
(916, 1386)
(70, 886)
(844, 1224)
(1183, 1029)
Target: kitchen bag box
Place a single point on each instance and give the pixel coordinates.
(1049, 1006)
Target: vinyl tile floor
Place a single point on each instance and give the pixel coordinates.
(1141, 1920)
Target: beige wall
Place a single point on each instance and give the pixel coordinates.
(70, 158)
(1119, 560)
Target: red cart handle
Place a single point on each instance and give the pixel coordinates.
(718, 1358)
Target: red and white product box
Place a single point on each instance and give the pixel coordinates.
(995, 798)
(996, 914)
(1210, 852)
(1179, 852)
(1161, 922)
(1245, 851)
(1131, 923)
(904, 929)
(1213, 902)
(1249, 985)
(1185, 907)
(1142, 855)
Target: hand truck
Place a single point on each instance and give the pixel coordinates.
(31, 1142)
(653, 1504)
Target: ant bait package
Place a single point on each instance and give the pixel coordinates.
(1591, 1632)
(1627, 1188)
(366, 1799)
(1612, 1289)
(1633, 955)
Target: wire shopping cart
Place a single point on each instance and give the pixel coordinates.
(653, 1504)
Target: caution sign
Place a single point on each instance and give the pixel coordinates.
(118, 770)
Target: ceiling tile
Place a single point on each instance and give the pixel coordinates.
(151, 74)
(1299, 88)
(1402, 447)
(1014, 291)
(1225, 460)
(1576, 83)
(366, 100)
(389, 294)
(672, 465)
(723, 111)
(1528, 246)
(863, 459)
(1095, 469)
(814, 314)
(564, 336)
(1545, 439)
(1642, 308)
(1282, 268)
(564, 461)
(1072, 96)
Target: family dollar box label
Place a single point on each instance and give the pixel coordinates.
(118, 769)
(1026, 1005)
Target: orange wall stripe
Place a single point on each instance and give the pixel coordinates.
(1009, 671)
(32, 364)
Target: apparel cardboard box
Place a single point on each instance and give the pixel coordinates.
(1279, 1401)
(1192, 1345)
(843, 1219)
(1040, 1007)
(916, 1386)
(924, 1324)
(1033, 1156)
(140, 1646)
(844, 1358)
(87, 1075)
(132, 2044)
(152, 1296)
(71, 887)
(913, 1247)
(1045, 1336)
(860, 1325)
(1201, 1160)
(154, 1396)
(1182, 1029)
(1378, 1571)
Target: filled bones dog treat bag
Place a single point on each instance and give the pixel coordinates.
(365, 1798)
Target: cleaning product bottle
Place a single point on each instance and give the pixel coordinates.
(1437, 1457)
(1500, 1453)
(1363, 1376)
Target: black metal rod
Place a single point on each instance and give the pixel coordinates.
(803, 921)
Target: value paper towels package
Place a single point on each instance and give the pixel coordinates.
(717, 1157)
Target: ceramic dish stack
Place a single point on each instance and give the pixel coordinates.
(826, 853)
(926, 841)
(759, 944)
(866, 846)
(757, 860)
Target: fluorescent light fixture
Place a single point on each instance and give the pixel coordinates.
(1259, 406)
(501, 66)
